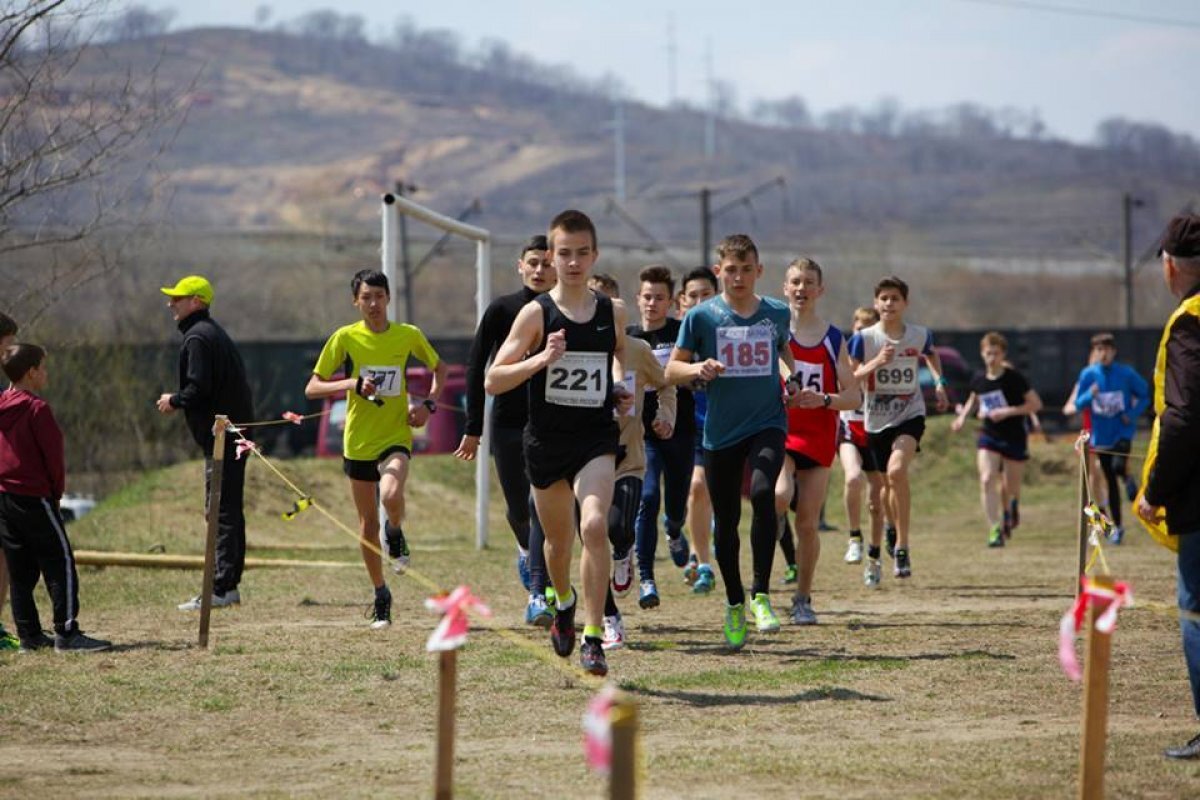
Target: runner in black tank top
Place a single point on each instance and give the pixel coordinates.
(571, 436)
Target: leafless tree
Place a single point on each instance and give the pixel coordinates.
(77, 147)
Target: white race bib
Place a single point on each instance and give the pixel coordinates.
(630, 384)
(746, 352)
(1108, 404)
(389, 381)
(662, 354)
(578, 379)
(898, 377)
(811, 376)
(992, 401)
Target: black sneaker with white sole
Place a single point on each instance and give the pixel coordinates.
(79, 642)
(562, 630)
(34, 643)
(591, 656)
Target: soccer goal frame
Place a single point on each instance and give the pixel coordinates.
(392, 207)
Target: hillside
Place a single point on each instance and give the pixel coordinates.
(284, 132)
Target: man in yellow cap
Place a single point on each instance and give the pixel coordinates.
(212, 380)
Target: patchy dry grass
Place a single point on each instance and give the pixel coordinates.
(944, 687)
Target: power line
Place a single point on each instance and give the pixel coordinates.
(1029, 5)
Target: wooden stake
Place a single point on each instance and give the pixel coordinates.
(214, 516)
(622, 782)
(447, 678)
(1081, 567)
(1095, 700)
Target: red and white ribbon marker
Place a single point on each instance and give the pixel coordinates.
(597, 730)
(1072, 622)
(243, 445)
(451, 632)
(293, 417)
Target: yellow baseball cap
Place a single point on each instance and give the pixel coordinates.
(191, 286)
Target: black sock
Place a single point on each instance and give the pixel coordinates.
(856, 534)
(382, 591)
(873, 551)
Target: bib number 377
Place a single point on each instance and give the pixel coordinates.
(578, 379)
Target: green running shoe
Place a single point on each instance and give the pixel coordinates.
(789, 574)
(764, 616)
(995, 537)
(735, 626)
(8, 641)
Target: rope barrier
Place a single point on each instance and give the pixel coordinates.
(539, 651)
(292, 418)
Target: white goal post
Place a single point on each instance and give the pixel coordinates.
(393, 206)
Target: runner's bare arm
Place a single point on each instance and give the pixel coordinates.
(510, 368)
(849, 395)
(1030, 405)
(319, 387)
(624, 399)
(964, 411)
(680, 368)
(653, 375)
(935, 368)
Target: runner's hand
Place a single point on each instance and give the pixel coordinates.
(710, 368)
(556, 346)
(418, 415)
(943, 402)
(467, 448)
(662, 429)
(624, 400)
(164, 404)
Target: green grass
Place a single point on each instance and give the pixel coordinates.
(950, 680)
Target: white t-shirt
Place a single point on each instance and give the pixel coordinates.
(893, 392)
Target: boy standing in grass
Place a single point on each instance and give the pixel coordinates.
(1005, 400)
(32, 480)
(565, 345)
(739, 339)
(887, 356)
(378, 438)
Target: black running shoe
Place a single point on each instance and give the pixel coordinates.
(903, 567)
(890, 534)
(562, 630)
(39, 642)
(79, 642)
(591, 656)
(397, 547)
(380, 613)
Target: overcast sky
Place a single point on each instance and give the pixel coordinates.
(1075, 61)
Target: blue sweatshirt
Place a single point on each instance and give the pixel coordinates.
(1118, 396)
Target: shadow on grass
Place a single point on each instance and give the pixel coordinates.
(705, 700)
(1018, 595)
(802, 656)
(868, 626)
(146, 644)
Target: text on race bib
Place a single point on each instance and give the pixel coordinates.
(389, 381)
(662, 354)
(811, 376)
(578, 379)
(898, 377)
(746, 352)
(992, 401)
(1108, 404)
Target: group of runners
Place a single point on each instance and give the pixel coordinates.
(603, 416)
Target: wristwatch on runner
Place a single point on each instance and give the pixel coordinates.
(430, 405)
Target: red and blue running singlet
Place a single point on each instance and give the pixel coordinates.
(813, 431)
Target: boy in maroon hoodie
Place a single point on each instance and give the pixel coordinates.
(32, 478)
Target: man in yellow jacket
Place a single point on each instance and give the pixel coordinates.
(1169, 503)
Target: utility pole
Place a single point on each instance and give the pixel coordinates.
(705, 225)
(1128, 203)
(619, 150)
(670, 60)
(402, 189)
(710, 119)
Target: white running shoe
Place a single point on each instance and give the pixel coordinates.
(872, 573)
(230, 598)
(854, 551)
(614, 633)
(622, 574)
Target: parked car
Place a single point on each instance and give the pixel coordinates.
(958, 379)
(74, 506)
